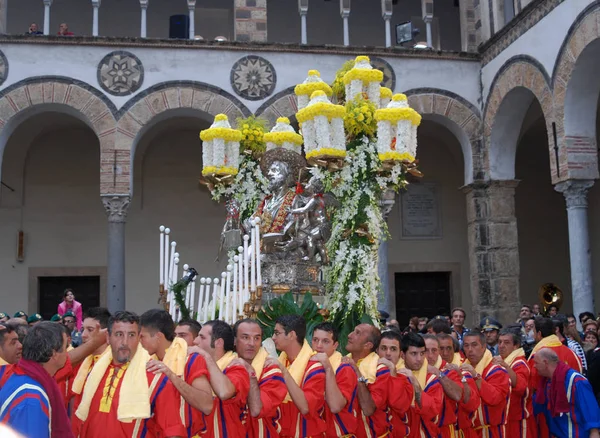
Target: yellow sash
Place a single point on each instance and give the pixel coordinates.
(258, 363)
(512, 356)
(548, 341)
(400, 364)
(421, 375)
(457, 359)
(134, 396)
(368, 367)
(298, 367)
(335, 360)
(3, 362)
(226, 360)
(84, 370)
(176, 356)
(438, 362)
(483, 363)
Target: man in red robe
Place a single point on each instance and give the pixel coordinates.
(302, 411)
(512, 359)
(267, 387)
(493, 385)
(340, 383)
(120, 398)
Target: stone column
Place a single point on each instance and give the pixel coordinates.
(251, 20)
(345, 13)
(116, 209)
(47, 4)
(3, 17)
(192, 11)
(493, 249)
(387, 203)
(469, 25)
(303, 11)
(96, 7)
(144, 7)
(427, 11)
(575, 192)
(387, 8)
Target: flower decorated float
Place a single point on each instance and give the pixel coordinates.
(306, 205)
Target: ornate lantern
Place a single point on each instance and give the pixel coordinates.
(311, 84)
(283, 136)
(323, 130)
(221, 149)
(385, 94)
(397, 131)
(363, 80)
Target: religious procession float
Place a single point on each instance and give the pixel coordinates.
(303, 208)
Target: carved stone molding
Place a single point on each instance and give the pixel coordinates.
(575, 192)
(116, 207)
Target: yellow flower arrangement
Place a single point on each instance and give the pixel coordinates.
(281, 137)
(360, 117)
(338, 87)
(363, 74)
(330, 152)
(310, 87)
(253, 131)
(396, 156)
(213, 170)
(326, 109)
(227, 134)
(394, 115)
(385, 93)
(399, 97)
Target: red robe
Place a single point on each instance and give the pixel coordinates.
(520, 411)
(490, 418)
(466, 411)
(566, 355)
(293, 423)
(272, 393)
(448, 416)
(346, 421)
(195, 367)
(400, 398)
(377, 424)
(64, 378)
(422, 420)
(226, 418)
(165, 420)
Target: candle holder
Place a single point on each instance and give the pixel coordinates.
(259, 292)
(247, 307)
(252, 297)
(162, 297)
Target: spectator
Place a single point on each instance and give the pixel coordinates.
(573, 342)
(70, 320)
(438, 325)
(413, 323)
(70, 304)
(34, 319)
(572, 322)
(56, 318)
(458, 323)
(21, 315)
(552, 310)
(422, 323)
(529, 338)
(561, 391)
(490, 328)
(3, 317)
(590, 326)
(535, 311)
(590, 341)
(584, 316)
(33, 30)
(63, 30)
(524, 315)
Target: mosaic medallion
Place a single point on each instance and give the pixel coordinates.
(253, 78)
(3, 68)
(389, 77)
(120, 73)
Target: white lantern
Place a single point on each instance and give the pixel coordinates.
(363, 80)
(323, 128)
(220, 148)
(311, 84)
(385, 95)
(283, 136)
(397, 131)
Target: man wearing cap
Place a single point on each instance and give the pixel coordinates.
(490, 328)
(56, 318)
(3, 317)
(34, 319)
(70, 320)
(21, 314)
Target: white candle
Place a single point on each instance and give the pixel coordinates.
(246, 260)
(252, 259)
(175, 269)
(169, 273)
(257, 242)
(207, 300)
(222, 297)
(167, 259)
(234, 295)
(228, 295)
(200, 299)
(161, 258)
(241, 277)
(187, 289)
(215, 294)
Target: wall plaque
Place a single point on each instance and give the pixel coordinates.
(420, 212)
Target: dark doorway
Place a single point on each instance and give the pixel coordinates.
(421, 294)
(51, 289)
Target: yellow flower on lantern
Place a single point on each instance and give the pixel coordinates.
(363, 79)
(220, 148)
(323, 127)
(385, 94)
(397, 130)
(311, 84)
(283, 136)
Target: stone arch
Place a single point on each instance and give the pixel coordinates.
(520, 80)
(458, 115)
(160, 102)
(576, 89)
(60, 94)
(283, 104)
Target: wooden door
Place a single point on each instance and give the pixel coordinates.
(421, 294)
(50, 289)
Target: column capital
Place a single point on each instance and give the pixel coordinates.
(575, 192)
(387, 8)
(191, 4)
(48, 2)
(303, 7)
(144, 4)
(96, 3)
(116, 207)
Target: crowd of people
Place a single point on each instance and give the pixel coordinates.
(147, 376)
(63, 30)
